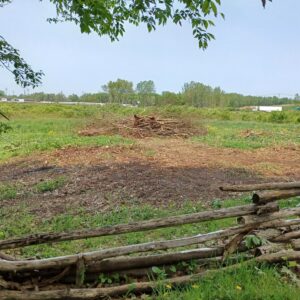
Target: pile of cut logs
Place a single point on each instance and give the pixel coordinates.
(146, 126)
(151, 126)
(127, 269)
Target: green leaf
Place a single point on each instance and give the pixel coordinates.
(292, 264)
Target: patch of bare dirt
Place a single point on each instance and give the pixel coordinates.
(108, 185)
(283, 162)
(158, 172)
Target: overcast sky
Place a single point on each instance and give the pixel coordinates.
(256, 51)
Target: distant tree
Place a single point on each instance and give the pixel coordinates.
(2, 93)
(170, 98)
(108, 17)
(145, 87)
(119, 90)
(73, 98)
(297, 97)
(198, 94)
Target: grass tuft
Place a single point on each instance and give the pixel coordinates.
(50, 185)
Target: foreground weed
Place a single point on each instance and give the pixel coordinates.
(7, 192)
(50, 185)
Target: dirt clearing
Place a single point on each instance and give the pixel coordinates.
(158, 172)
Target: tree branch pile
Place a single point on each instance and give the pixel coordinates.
(263, 234)
(146, 126)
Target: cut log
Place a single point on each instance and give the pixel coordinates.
(261, 186)
(268, 234)
(269, 249)
(41, 238)
(296, 244)
(280, 223)
(268, 208)
(125, 263)
(137, 287)
(6, 256)
(287, 237)
(281, 256)
(270, 196)
(64, 261)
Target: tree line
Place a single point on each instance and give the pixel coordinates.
(144, 94)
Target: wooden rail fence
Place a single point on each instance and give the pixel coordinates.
(75, 276)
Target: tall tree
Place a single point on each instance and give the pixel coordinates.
(108, 17)
(119, 90)
(145, 87)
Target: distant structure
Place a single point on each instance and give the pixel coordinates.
(267, 108)
(12, 100)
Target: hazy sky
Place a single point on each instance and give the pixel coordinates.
(256, 51)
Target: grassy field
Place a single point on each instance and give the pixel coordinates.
(47, 127)
(39, 129)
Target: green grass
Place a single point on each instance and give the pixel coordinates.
(17, 221)
(14, 111)
(50, 185)
(233, 134)
(7, 192)
(244, 283)
(35, 135)
(37, 128)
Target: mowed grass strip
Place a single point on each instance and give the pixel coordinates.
(249, 135)
(42, 134)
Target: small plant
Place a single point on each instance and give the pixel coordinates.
(104, 279)
(173, 269)
(7, 192)
(252, 241)
(4, 128)
(160, 273)
(188, 266)
(50, 185)
(216, 204)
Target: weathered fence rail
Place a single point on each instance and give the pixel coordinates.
(67, 277)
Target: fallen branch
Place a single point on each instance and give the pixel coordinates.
(41, 238)
(287, 237)
(138, 287)
(266, 197)
(261, 186)
(296, 244)
(268, 208)
(6, 256)
(64, 261)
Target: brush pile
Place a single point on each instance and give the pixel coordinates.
(264, 233)
(146, 126)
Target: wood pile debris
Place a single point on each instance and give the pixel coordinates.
(264, 233)
(146, 126)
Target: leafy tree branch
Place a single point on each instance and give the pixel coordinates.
(109, 17)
